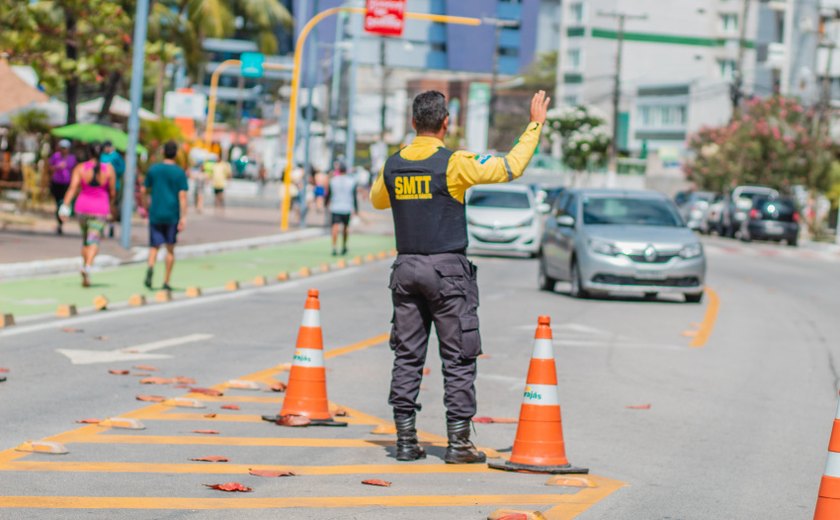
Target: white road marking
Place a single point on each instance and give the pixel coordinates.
(135, 353)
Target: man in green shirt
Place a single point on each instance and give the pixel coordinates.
(166, 182)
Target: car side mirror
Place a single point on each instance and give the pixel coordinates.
(543, 208)
(566, 221)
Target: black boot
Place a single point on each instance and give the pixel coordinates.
(408, 447)
(460, 449)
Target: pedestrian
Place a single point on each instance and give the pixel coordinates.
(165, 194)
(61, 164)
(111, 156)
(199, 178)
(342, 202)
(432, 281)
(93, 186)
(321, 181)
(221, 172)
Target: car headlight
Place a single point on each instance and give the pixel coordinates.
(691, 250)
(603, 248)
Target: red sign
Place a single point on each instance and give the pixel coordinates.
(385, 17)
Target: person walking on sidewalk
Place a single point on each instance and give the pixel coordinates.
(221, 173)
(342, 201)
(166, 182)
(62, 163)
(95, 184)
(432, 281)
(111, 156)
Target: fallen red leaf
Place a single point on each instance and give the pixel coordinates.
(229, 486)
(155, 381)
(207, 432)
(4, 370)
(293, 420)
(181, 380)
(427, 371)
(491, 420)
(101, 338)
(210, 415)
(514, 516)
(270, 473)
(147, 368)
(206, 391)
(211, 458)
(151, 398)
(340, 412)
(230, 407)
(278, 387)
(89, 421)
(118, 372)
(72, 330)
(638, 406)
(377, 482)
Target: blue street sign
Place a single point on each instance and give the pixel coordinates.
(252, 64)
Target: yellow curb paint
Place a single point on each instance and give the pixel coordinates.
(501, 514)
(229, 418)
(53, 448)
(570, 506)
(241, 469)
(709, 320)
(197, 440)
(100, 303)
(66, 311)
(137, 300)
(376, 340)
(153, 503)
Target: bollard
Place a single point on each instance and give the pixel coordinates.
(260, 281)
(66, 311)
(137, 300)
(100, 303)
(283, 276)
(193, 292)
(6, 320)
(163, 296)
(325, 268)
(304, 272)
(341, 264)
(232, 285)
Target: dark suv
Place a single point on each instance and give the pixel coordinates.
(772, 218)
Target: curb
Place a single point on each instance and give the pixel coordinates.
(65, 311)
(18, 270)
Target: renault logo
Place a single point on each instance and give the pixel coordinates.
(649, 253)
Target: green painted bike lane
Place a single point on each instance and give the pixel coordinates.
(43, 295)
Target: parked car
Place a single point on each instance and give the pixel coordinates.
(736, 206)
(772, 219)
(694, 208)
(713, 215)
(503, 217)
(615, 241)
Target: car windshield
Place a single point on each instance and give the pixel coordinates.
(629, 212)
(499, 199)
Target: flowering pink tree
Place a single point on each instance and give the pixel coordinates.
(771, 143)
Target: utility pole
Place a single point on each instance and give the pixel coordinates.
(383, 89)
(737, 89)
(827, 42)
(498, 25)
(616, 96)
(311, 64)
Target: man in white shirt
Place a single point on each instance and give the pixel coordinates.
(342, 202)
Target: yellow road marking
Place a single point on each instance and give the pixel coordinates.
(574, 505)
(150, 503)
(216, 440)
(376, 340)
(226, 468)
(709, 319)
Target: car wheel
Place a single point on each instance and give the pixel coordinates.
(792, 242)
(651, 296)
(694, 297)
(577, 290)
(545, 282)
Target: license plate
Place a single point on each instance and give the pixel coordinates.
(651, 275)
(774, 228)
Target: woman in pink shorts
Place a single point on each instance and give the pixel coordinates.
(94, 183)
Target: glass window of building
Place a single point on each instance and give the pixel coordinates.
(728, 23)
(726, 69)
(576, 13)
(573, 61)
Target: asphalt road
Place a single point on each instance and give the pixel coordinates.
(737, 425)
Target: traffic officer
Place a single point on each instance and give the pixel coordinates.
(432, 281)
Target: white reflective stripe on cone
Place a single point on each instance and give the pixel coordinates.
(543, 349)
(309, 357)
(832, 465)
(311, 318)
(545, 395)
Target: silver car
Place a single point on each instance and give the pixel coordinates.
(504, 218)
(615, 241)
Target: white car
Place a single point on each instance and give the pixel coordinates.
(503, 218)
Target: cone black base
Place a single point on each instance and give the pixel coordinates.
(312, 422)
(554, 470)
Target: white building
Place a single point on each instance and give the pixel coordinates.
(679, 62)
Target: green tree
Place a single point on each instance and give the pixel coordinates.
(72, 44)
(770, 143)
(584, 136)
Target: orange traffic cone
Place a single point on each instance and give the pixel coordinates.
(828, 501)
(306, 394)
(539, 445)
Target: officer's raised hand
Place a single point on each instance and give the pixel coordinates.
(539, 107)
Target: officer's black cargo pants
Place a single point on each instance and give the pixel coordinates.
(439, 289)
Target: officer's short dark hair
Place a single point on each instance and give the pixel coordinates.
(429, 111)
(170, 149)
